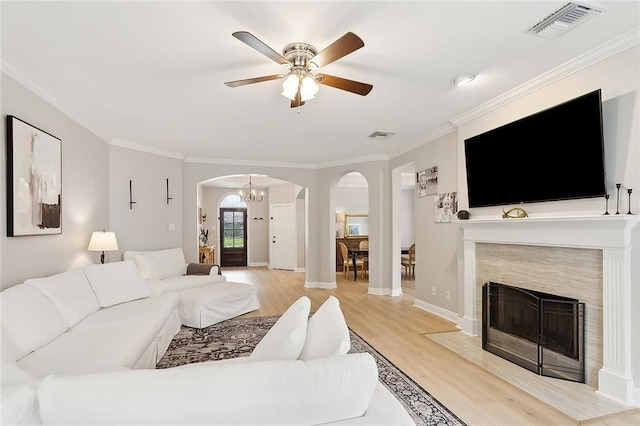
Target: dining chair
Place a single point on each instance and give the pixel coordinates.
(364, 245)
(346, 259)
(409, 261)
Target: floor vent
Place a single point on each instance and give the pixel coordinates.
(562, 19)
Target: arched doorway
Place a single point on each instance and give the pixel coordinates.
(351, 200)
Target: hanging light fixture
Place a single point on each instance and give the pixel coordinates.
(300, 79)
(250, 193)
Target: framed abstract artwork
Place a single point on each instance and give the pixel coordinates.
(34, 180)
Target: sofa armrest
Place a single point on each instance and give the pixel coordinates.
(203, 269)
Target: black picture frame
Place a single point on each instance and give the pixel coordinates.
(34, 180)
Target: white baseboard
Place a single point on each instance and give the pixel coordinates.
(379, 291)
(436, 310)
(309, 284)
(253, 264)
(299, 270)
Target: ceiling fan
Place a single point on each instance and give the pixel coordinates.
(300, 84)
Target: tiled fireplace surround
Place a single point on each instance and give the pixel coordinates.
(591, 258)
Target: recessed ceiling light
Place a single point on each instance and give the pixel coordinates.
(464, 78)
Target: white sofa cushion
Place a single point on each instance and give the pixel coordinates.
(280, 392)
(70, 293)
(168, 262)
(153, 309)
(148, 266)
(286, 337)
(186, 282)
(327, 332)
(93, 349)
(29, 319)
(172, 262)
(116, 282)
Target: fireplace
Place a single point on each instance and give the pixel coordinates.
(539, 331)
(618, 239)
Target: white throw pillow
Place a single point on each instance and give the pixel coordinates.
(327, 332)
(30, 319)
(285, 339)
(148, 266)
(172, 262)
(70, 293)
(116, 282)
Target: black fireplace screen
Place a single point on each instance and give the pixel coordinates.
(541, 332)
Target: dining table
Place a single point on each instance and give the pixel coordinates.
(355, 252)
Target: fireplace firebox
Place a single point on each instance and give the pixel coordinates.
(541, 332)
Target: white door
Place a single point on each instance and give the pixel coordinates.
(282, 236)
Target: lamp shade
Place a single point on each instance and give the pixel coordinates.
(103, 241)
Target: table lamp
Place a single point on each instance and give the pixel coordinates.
(103, 241)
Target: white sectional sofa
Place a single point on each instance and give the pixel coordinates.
(81, 347)
(206, 297)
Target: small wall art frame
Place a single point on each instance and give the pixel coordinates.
(34, 180)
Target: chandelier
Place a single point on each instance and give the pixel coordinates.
(250, 193)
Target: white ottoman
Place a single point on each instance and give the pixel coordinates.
(203, 306)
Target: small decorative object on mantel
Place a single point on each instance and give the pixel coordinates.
(463, 214)
(606, 204)
(629, 192)
(514, 213)
(131, 202)
(168, 198)
(618, 185)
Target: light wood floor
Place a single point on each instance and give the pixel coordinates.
(397, 329)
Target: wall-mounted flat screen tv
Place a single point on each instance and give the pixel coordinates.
(555, 154)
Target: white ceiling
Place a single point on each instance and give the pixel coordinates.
(151, 74)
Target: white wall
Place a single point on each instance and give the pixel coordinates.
(85, 192)
(146, 226)
(618, 78)
(407, 201)
(436, 243)
(352, 200)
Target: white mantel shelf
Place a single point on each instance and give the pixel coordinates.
(615, 236)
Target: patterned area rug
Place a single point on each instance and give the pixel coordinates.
(237, 337)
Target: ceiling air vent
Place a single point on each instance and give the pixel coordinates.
(562, 19)
(381, 135)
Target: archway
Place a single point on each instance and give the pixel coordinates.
(351, 200)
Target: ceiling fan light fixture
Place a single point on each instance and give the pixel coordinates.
(308, 88)
(290, 86)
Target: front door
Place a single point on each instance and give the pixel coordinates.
(282, 236)
(233, 236)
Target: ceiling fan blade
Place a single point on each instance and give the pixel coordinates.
(341, 47)
(253, 41)
(246, 81)
(297, 102)
(344, 84)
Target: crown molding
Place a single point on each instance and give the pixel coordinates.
(146, 148)
(624, 42)
(255, 163)
(436, 134)
(12, 70)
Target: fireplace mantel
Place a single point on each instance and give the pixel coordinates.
(617, 237)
